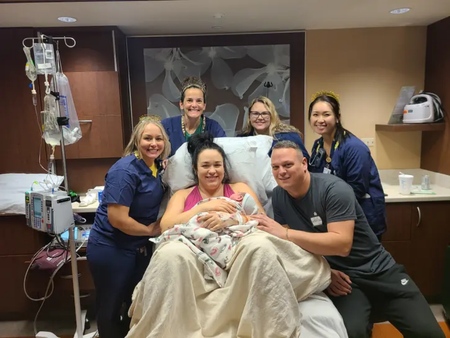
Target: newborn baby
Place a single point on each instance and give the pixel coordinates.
(246, 201)
(215, 248)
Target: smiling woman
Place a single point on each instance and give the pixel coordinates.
(192, 121)
(341, 153)
(118, 250)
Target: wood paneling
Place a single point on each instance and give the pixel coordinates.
(435, 154)
(19, 239)
(97, 99)
(421, 248)
(13, 300)
(297, 71)
(93, 51)
(430, 237)
(19, 132)
(86, 174)
(121, 47)
(399, 222)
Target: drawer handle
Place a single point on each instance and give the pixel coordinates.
(85, 121)
(420, 217)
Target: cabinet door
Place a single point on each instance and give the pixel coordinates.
(96, 97)
(430, 237)
(398, 222)
(14, 303)
(397, 238)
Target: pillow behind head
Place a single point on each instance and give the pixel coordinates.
(248, 159)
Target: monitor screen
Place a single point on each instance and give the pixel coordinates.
(37, 207)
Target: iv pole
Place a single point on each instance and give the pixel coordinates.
(73, 254)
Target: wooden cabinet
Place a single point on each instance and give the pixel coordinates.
(96, 97)
(18, 243)
(417, 237)
(430, 236)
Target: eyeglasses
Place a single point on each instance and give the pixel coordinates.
(255, 114)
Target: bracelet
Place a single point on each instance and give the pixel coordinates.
(287, 234)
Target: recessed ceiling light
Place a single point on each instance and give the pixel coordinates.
(400, 10)
(218, 16)
(66, 19)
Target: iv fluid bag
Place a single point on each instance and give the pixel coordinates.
(44, 58)
(71, 132)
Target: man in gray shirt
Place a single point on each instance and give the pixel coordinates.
(320, 213)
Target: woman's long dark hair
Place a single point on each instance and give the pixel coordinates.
(199, 142)
(341, 133)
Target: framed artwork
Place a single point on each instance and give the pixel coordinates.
(236, 69)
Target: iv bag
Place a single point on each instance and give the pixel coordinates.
(50, 127)
(71, 132)
(44, 58)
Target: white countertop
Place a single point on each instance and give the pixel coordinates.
(89, 208)
(439, 183)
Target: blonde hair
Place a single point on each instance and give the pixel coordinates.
(133, 144)
(276, 126)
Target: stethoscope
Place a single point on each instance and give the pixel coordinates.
(316, 160)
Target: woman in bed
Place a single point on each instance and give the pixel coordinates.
(267, 276)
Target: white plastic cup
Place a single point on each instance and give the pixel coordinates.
(406, 182)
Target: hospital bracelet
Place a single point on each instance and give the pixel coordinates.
(287, 234)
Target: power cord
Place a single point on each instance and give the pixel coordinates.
(56, 243)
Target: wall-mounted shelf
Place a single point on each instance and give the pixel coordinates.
(410, 127)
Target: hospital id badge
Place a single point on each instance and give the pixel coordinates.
(316, 221)
(326, 170)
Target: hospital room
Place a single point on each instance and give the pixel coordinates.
(212, 169)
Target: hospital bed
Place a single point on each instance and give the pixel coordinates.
(250, 163)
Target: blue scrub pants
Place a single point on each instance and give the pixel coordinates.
(115, 272)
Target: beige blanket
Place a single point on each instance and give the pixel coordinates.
(267, 277)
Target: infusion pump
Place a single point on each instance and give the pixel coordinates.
(49, 212)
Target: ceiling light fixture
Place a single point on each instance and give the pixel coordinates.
(66, 19)
(400, 10)
(218, 16)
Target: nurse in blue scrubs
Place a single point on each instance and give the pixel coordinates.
(341, 153)
(192, 121)
(118, 250)
(263, 119)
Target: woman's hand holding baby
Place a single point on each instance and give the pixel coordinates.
(214, 222)
(218, 205)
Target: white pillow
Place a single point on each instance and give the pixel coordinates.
(14, 186)
(249, 163)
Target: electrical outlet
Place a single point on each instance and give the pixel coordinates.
(370, 142)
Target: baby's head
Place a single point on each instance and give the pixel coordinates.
(246, 201)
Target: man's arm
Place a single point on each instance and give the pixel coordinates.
(336, 242)
(340, 213)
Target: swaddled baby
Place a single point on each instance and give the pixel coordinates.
(245, 206)
(215, 248)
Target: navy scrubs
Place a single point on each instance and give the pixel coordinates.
(172, 125)
(118, 261)
(353, 162)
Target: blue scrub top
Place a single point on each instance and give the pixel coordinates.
(172, 125)
(351, 160)
(289, 136)
(129, 182)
